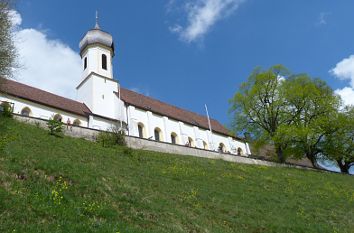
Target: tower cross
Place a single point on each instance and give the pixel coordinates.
(97, 25)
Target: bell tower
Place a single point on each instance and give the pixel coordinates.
(98, 88)
(97, 52)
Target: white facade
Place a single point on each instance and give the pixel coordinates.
(98, 91)
(201, 138)
(92, 56)
(41, 111)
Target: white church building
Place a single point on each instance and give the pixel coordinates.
(102, 104)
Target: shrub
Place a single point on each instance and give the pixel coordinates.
(113, 136)
(106, 139)
(119, 136)
(6, 109)
(55, 127)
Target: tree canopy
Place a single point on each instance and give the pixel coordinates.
(8, 52)
(339, 145)
(259, 107)
(312, 105)
(299, 115)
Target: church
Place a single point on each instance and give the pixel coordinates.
(102, 104)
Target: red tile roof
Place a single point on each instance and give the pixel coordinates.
(130, 97)
(23, 91)
(161, 108)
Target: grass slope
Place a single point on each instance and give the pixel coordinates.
(50, 184)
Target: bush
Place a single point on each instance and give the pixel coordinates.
(106, 139)
(55, 127)
(5, 109)
(113, 136)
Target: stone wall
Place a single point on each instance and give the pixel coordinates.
(74, 131)
(151, 145)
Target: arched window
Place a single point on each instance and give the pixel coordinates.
(26, 111)
(221, 147)
(104, 62)
(141, 130)
(174, 139)
(77, 122)
(239, 151)
(191, 142)
(85, 63)
(158, 134)
(205, 145)
(57, 117)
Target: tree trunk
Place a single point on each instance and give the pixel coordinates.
(280, 154)
(344, 166)
(313, 160)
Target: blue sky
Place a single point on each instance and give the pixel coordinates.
(190, 52)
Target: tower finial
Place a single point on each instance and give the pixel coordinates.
(97, 26)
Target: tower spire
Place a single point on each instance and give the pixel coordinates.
(97, 26)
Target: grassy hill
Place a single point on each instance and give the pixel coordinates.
(51, 184)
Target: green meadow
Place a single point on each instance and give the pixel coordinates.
(61, 184)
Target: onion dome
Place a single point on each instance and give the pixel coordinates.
(97, 36)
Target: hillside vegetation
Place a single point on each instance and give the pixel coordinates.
(54, 184)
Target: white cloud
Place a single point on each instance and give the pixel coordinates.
(347, 94)
(201, 17)
(47, 64)
(344, 70)
(15, 17)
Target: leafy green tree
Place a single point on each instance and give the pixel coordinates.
(294, 113)
(259, 107)
(339, 145)
(313, 106)
(8, 54)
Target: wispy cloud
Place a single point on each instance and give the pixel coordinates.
(201, 16)
(344, 70)
(323, 18)
(47, 64)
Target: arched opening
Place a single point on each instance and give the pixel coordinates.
(205, 145)
(239, 151)
(77, 122)
(85, 63)
(158, 134)
(104, 62)
(57, 117)
(222, 148)
(174, 138)
(190, 142)
(141, 130)
(26, 111)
